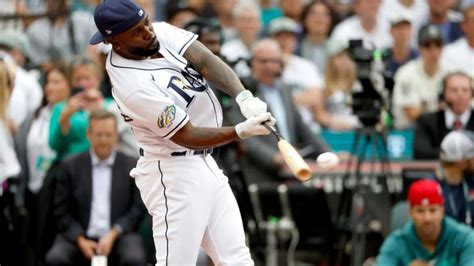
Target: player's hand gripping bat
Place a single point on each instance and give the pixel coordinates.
(292, 158)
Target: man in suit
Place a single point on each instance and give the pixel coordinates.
(97, 204)
(431, 128)
(263, 161)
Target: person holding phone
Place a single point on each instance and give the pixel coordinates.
(70, 119)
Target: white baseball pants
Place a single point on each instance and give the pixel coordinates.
(192, 206)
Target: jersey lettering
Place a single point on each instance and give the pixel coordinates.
(177, 85)
(194, 78)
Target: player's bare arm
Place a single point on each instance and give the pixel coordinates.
(203, 138)
(223, 77)
(213, 69)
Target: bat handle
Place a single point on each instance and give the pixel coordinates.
(274, 131)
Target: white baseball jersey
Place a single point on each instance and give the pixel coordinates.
(159, 96)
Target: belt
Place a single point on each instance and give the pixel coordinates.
(183, 153)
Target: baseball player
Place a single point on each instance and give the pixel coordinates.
(157, 73)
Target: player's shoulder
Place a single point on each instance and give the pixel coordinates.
(130, 84)
(122, 70)
(127, 78)
(161, 25)
(166, 30)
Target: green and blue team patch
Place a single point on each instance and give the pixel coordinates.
(167, 117)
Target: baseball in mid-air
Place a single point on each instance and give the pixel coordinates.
(327, 160)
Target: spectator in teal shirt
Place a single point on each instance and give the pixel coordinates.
(430, 238)
(70, 119)
(69, 122)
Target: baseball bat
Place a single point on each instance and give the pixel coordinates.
(292, 158)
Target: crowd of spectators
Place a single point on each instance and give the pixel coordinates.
(56, 102)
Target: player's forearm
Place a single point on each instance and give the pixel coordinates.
(204, 138)
(225, 79)
(213, 69)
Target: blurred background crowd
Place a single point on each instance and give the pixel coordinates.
(409, 79)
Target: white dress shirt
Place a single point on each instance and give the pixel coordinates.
(450, 117)
(99, 223)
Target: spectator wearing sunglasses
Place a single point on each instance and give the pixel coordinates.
(418, 83)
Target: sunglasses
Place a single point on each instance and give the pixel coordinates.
(432, 44)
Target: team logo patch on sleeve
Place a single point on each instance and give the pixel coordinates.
(166, 117)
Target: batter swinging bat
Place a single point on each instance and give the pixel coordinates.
(292, 158)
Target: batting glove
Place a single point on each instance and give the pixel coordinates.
(254, 126)
(250, 106)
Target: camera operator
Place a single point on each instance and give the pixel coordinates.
(417, 83)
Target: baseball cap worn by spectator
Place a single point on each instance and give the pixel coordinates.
(283, 24)
(15, 39)
(399, 18)
(425, 192)
(429, 34)
(456, 146)
(115, 17)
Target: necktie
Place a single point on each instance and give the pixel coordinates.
(457, 124)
